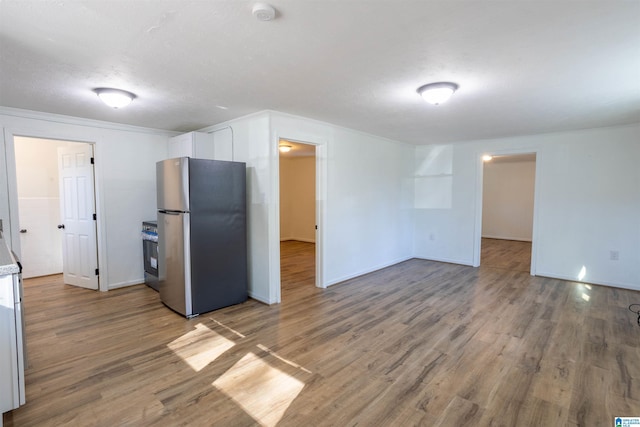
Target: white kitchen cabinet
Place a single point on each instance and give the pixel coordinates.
(198, 145)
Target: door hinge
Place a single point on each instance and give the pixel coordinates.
(97, 271)
(92, 161)
(95, 217)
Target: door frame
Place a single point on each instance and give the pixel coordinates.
(12, 184)
(479, 199)
(320, 209)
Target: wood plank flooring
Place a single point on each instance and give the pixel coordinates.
(506, 254)
(418, 343)
(297, 268)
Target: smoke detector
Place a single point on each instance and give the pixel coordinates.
(263, 12)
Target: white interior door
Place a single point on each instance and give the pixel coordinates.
(77, 209)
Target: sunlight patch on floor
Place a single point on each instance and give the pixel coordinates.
(263, 392)
(233, 331)
(582, 273)
(200, 347)
(288, 362)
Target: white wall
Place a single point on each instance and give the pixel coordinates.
(587, 203)
(378, 198)
(507, 199)
(298, 198)
(365, 197)
(367, 202)
(444, 206)
(125, 183)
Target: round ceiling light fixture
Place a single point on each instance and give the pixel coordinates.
(114, 98)
(284, 148)
(437, 93)
(263, 12)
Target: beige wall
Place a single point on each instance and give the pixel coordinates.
(507, 200)
(297, 198)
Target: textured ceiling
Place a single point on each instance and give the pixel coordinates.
(523, 67)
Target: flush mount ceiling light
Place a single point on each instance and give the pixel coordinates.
(437, 93)
(114, 98)
(284, 148)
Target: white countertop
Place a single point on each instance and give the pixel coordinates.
(8, 263)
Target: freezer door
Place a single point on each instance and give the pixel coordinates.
(173, 264)
(172, 181)
(218, 234)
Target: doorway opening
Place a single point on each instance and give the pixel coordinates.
(56, 209)
(508, 196)
(298, 217)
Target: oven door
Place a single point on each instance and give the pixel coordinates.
(150, 250)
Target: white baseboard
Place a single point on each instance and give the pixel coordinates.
(260, 298)
(367, 271)
(112, 286)
(632, 286)
(447, 260)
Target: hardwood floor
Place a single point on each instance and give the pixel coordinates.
(418, 343)
(297, 267)
(506, 254)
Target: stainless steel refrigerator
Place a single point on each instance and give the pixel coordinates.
(202, 238)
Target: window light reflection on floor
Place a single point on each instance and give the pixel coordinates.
(263, 392)
(200, 347)
(584, 289)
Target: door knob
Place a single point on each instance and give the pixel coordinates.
(61, 226)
